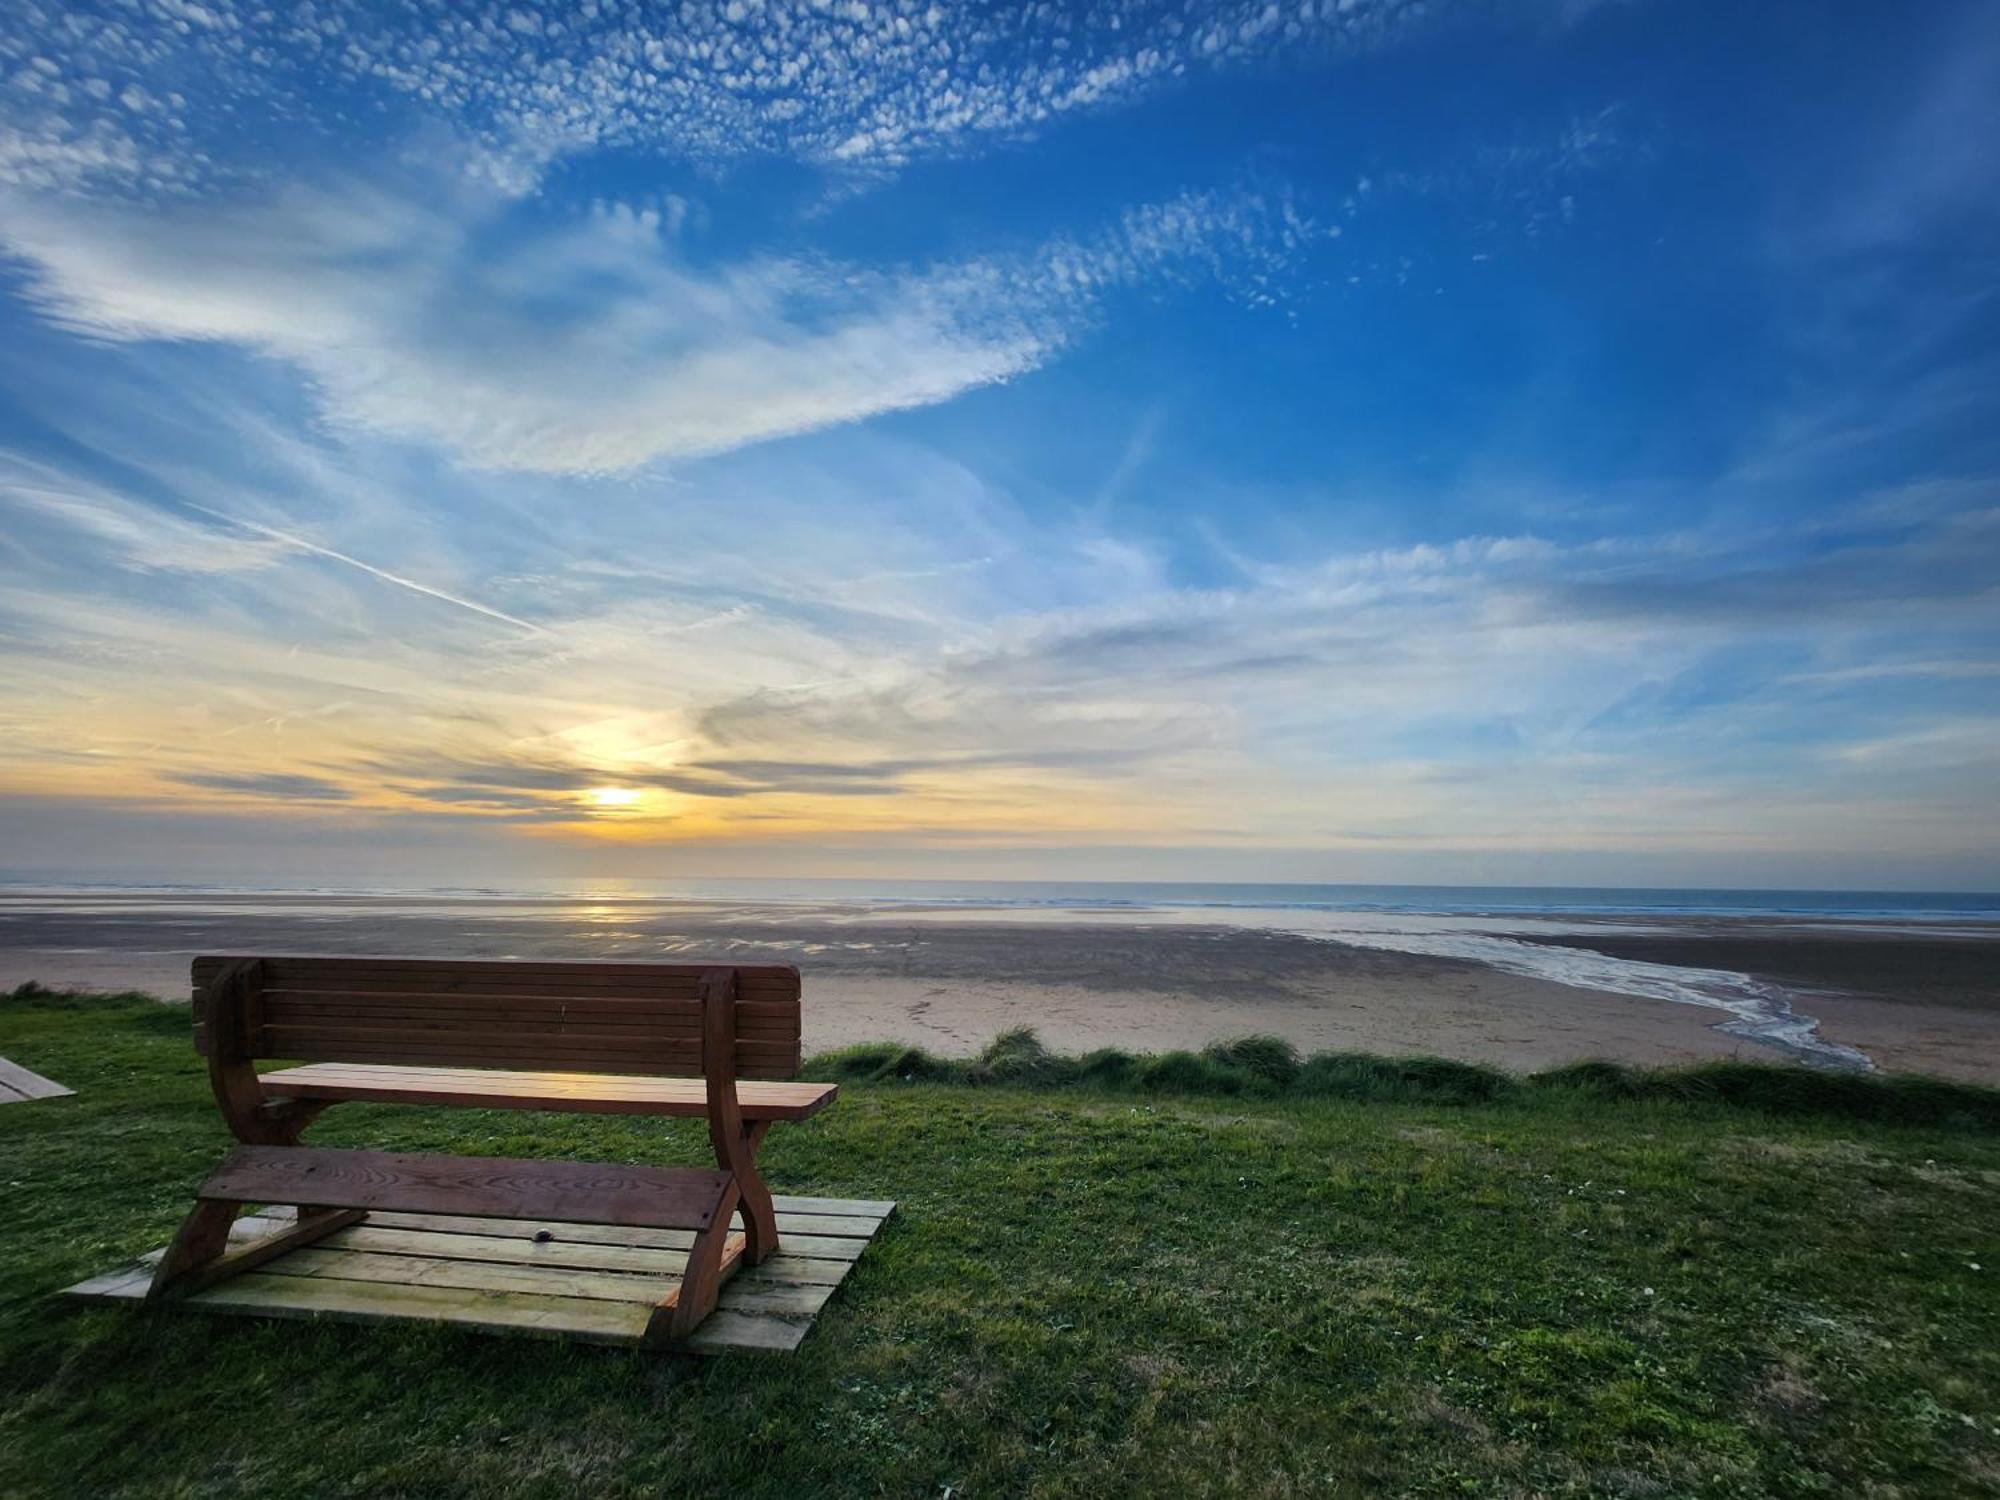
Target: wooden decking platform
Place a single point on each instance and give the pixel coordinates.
(17, 1085)
(567, 1281)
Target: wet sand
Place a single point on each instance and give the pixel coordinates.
(1918, 1000)
(952, 984)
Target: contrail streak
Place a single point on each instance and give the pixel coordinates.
(369, 568)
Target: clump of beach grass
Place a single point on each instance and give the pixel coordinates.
(1271, 1067)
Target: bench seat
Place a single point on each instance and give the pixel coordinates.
(496, 1088)
(571, 1192)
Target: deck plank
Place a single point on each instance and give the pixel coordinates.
(496, 1312)
(723, 1331)
(493, 1276)
(777, 1299)
(489, 1276)
(818, 1246)
(21, 1084)
(861, 1208)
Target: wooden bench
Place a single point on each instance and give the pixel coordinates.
(691, 1039)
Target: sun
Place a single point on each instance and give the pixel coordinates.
(612, 796)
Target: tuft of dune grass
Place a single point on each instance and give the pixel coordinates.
(1268, 1066)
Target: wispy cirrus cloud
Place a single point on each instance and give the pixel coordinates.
(183, 536)
(594, 344)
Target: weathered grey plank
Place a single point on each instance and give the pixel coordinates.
(867, 1208)
(475, 1275)
(827, 1225)
(124, 1284)
(722, 1332)
(18, 1080)
(776, 1299)
(800, 1270)
(511, 1250)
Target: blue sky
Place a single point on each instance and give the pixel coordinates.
(1546, 441)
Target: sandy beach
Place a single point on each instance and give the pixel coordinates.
(951, 981)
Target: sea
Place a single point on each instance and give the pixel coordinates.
(634, 918)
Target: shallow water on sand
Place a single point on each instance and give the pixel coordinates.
(1485, 926)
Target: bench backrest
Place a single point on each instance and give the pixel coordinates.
(637, 1018)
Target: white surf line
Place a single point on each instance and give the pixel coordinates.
(1763, 1012)
(1760, 1012)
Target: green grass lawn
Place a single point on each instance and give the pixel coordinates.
(1118, 1281)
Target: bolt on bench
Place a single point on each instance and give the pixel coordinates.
(699, 1040)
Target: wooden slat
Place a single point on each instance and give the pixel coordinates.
(555, 1078)
(574, 1244)
(772, 1014)
(723, 1330)
(551, 1019)
(385, 1031)
(127, 1282)
(513, 1250)
(630, 1055)
(19, 1080)
(410, 1270)
(675, 980)
(502, 1312)
(775, 1299)
(872, 1208)
(761, 1067)
(591, 1192)
(816, 1226)
(496, 1088)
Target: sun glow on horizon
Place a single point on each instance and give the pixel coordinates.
(612, 796)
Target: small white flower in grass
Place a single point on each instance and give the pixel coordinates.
(1647, 1290)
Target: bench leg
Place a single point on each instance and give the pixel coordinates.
(760, 1219)
(716, 1255)
(200, 1241)
(199, 1256)
(280, 1122)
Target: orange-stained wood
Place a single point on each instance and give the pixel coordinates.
(633, 1018)
(495, 1186)
(583, 1093)
(184, 1276)
(610, 1038)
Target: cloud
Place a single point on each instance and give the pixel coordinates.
(593, 345)
(140, 536)
(152, 97)
(299, 544)
(1475, 693)
(288, 786)
(163, 538)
